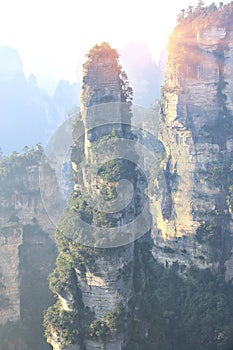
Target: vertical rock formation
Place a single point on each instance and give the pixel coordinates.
(105, 288)
(25, 233)
(185, 302)
(95, 285)
(196, 131)
(191, 273)
(112, 292)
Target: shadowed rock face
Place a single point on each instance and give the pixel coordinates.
(27, 252)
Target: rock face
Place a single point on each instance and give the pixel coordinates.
(102, 278)
(22, 215)
(196, 131)
(117, 296)
(103, 83)
(123, 298)
(9, 262)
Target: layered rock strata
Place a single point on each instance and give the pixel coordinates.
(104, 280)
(20, 205)
(196, 131)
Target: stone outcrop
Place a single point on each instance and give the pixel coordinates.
(105, 288)
(195, 129)
(20, 205)
(105, 279)
(11, 239)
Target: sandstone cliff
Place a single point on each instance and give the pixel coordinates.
(26, 232)
(196, 131)
(172, 288)
(190, 271)
(100, 285)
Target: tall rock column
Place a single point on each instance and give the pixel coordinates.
(196, 131)
(94, 275)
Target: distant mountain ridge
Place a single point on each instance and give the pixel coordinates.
(145, 75)
(28, 115)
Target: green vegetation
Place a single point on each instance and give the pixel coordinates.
(73, 326)
(78, 323)
(108, 193)
(12, 169)
(216, 238)
(189, 311)
(126, 90)
(105, 141)
(37, 253)
(214, 228)
(61, 279)
(63, 323)
(111, 325)
(70, 326)
(111, 172)
(205, 16)
(105, 50)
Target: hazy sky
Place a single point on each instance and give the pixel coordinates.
(53, 36)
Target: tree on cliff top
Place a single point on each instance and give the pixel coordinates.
(101, 50)
(104, 50)
(205, 15)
